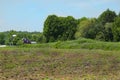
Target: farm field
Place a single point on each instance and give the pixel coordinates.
(59, 40)
(58, 64)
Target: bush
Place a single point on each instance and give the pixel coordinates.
(20, 42)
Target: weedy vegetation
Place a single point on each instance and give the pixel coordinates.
(67, 49)
(82, 59)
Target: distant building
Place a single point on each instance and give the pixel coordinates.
(2, 45)
(26, 41)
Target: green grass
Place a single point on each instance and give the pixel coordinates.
(82, 59)
(58, 64)
(81, 43)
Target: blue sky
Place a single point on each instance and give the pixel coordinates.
(29, 15)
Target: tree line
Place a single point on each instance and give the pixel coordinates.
(105, 28)
(7, 38)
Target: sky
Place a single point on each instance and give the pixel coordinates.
(29, 15)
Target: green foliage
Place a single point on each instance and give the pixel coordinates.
(41, 38)
(59, 28)
(6, 38)
(50, 27)
(9, 37)
(116, 29)
(88, 28)
(59, 64)
(19, 42)
(82, 28)
(101, 29)
(108, 32)
(100, 32)
(57, 44)
(7, 42)
(119, 14)
(15, 40)
(105, 28)
(2, 38)
(82, 19)
(107, 16)
(70, 27)
(80, 43)
(100, 36)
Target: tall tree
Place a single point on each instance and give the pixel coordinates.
(2, 38)
(59, 28)
(88, 28)
(81, 28)
(107, 16)
(119, 14)
(108, 32)
(69, 28)
(116, 29)
(50, 28)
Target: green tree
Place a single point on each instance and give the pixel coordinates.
(78, 29)
(88, 28)
(2, 38)
(34, 37)
(116, 29)
(69, 28)
(50, 27)
(99, 31)
(9, 37)
(108, 32)
(59, 28)
(107, 16)
(119, 14)
(81, 28)
(19, 42)
(41, 38)
(100, 36)
(81, 19)
(15, 40)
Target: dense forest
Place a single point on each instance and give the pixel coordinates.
(105, 28)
